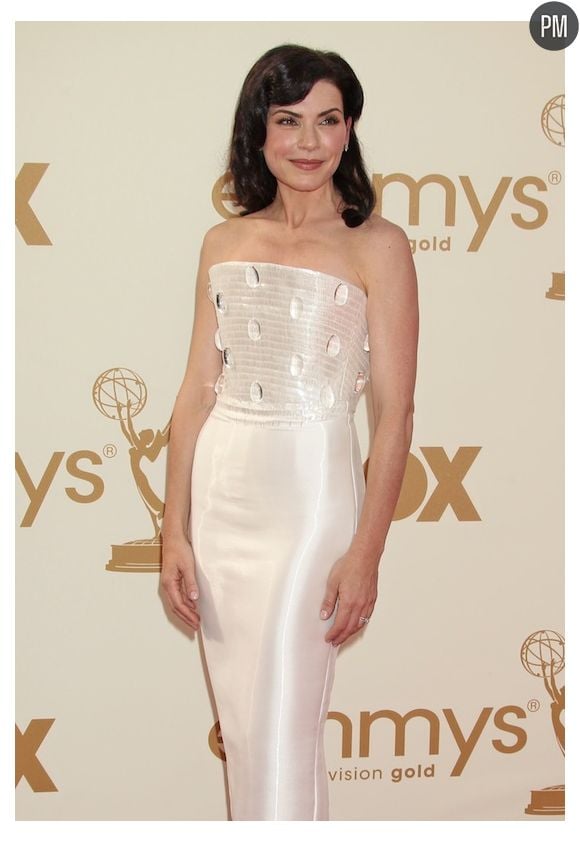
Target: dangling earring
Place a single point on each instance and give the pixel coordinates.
(346, 147)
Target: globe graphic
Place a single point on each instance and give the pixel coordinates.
(553, 120)
(543, 652)
(119, 386)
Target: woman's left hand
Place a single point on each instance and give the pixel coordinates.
(354, 582)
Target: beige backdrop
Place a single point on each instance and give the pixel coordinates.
(441, 709)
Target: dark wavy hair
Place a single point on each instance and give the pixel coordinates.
(285, 75)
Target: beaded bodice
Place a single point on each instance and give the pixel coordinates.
(294, 343)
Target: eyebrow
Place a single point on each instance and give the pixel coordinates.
(296, 113)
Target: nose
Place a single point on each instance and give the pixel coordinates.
(308, 138)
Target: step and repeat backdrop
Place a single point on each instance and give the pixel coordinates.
(450, 704)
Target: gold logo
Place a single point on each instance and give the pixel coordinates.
(37, 493)
(215, 741)
(121, 394)
(542, 655)
(556, 290)
(27, 763)
(359, 735)
(449, 491)
(483, 214)
(466, 736)
(27, 222)
(484, 211)
(222, 193)
(552, 120)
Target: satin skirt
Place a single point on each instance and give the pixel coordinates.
(272, 509)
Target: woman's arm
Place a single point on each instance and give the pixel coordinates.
(393, 321)
(194, 401)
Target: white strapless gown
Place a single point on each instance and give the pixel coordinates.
(277, 489)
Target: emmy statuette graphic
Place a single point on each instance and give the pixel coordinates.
(121, 394)
(552, 122)
(556, 290)
(542, 655)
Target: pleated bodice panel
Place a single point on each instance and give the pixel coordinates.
(294, 343)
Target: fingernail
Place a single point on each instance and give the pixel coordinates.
(323, 613)
(194, 595)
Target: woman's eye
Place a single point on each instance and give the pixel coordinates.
(290, 121)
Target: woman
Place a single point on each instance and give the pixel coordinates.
(271, 543)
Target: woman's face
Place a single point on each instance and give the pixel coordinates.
(305, 140)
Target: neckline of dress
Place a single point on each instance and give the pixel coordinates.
(289, 266)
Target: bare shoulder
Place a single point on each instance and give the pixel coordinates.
(238, 235)
(386, 255)
(385, 236)
(218, 240)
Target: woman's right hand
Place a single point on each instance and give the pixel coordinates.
(178, 579)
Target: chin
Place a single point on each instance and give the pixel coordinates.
(305, 180)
